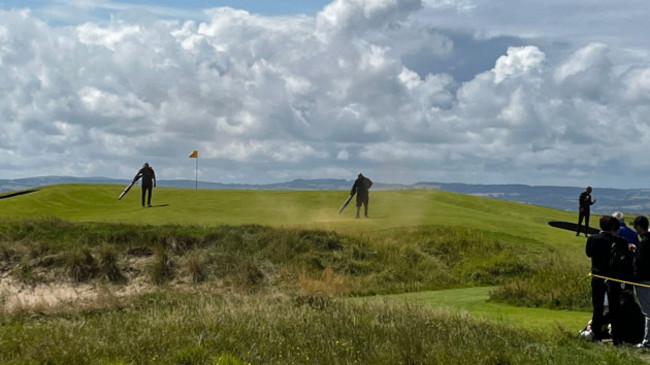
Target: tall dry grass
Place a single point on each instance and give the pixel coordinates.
(203, 328)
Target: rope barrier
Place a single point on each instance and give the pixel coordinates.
(619, 280)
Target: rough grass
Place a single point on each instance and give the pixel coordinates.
(201, 328)
(109, 264)
(81, 265)
(397, 261)
(555, 283)
(161, 268)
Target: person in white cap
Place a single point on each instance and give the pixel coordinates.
(625, 231)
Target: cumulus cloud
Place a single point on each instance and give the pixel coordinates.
(518, 62)
(266, 98)
(637, 84)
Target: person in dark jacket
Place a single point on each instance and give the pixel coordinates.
(642, 274)
(600, 249)
(584, 209)
(148, 182)
(360, 187)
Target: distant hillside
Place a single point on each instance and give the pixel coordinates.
(631, 201)
(559, 197)
(299, 184)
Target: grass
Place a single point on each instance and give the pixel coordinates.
(476, 300)
(201, 328)
(297, 209)
(557, 283)
(81, 265)
(258, 255)
(280, 277)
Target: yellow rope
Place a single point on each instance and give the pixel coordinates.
(619, 280)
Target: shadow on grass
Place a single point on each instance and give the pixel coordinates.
(18, 193)
(159, 206)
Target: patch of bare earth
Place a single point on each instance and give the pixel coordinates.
(58, 291)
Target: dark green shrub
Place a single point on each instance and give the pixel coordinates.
(161, 268)
(81, 265)
(195, 268)
(108, 265)
(254, 274)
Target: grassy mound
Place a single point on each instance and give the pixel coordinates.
(250, 256)
(415, 240)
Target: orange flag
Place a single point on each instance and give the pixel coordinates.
(194, 154)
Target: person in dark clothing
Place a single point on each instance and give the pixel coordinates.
(601, 248)
(627, 320)
(642, 274)
(148, 182)
(584, 210)
(360, 187)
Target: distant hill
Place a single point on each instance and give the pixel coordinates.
(608, 200)
(631, 201)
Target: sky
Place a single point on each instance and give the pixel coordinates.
(472, 91)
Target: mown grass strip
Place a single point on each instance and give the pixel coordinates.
(476, 301)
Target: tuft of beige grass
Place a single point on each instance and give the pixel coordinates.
(328, 282)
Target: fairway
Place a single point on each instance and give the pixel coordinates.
(475, 301)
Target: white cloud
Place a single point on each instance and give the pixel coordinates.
(92, 34)
(519, 61)
(353, 88)
(343, 155)
(637, 85)
(589, 57)
(355, 17)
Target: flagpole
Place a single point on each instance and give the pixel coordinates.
(195, 154)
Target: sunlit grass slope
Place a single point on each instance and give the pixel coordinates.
(304, 209)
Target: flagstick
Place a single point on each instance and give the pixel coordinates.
(197, 173)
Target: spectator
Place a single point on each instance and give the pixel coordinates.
(599, 248)
(642, 272)
(624, 231)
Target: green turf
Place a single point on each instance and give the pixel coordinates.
(474, 300)
(388, 209)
